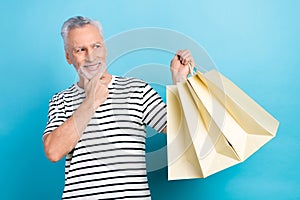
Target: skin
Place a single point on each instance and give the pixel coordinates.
(84, 49)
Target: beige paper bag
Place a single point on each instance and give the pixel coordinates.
(216, 123)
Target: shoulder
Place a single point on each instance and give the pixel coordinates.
(134, 85)
(67, 93)
(129, 82)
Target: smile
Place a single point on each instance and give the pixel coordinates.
(93, 67)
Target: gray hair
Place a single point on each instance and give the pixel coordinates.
(77, 22)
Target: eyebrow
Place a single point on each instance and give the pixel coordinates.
(92, 44)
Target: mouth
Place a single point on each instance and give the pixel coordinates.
(92, 67)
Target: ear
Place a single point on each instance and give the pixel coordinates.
(68, 57)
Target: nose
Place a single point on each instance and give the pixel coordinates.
(91, 55)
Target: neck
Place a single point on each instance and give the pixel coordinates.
(105, 79)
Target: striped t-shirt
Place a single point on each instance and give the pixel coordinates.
(108, 162)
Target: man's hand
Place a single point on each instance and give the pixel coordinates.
(95, 90)
(180, 65)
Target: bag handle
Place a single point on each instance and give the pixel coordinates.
(197, 67)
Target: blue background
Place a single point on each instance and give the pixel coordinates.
(254, 43)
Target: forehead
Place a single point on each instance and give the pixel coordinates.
(85, 35)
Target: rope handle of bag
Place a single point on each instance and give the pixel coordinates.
(195, 68)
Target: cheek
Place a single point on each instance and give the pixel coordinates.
(77, 62)
(101, 53)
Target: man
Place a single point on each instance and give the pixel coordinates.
(99, 122)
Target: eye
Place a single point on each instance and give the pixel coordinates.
(97, 45)
(79, 50)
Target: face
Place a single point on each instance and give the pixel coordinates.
(85, 49)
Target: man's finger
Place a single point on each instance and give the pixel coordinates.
(179, 52)
(98, 75)
(186, 53)
(187, 59)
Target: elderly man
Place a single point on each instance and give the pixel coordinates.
(99, 122)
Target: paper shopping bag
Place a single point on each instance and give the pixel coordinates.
(245, 124)
(224, 124)
(193, 151)
(182, 158)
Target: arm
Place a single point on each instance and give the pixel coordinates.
(63, 139)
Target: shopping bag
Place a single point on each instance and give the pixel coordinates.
(212, 125)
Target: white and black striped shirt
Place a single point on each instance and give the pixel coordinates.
(108, 162)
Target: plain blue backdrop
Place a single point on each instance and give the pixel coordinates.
(254, 43)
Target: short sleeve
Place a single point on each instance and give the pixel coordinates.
(154, 109)
(56, 115)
